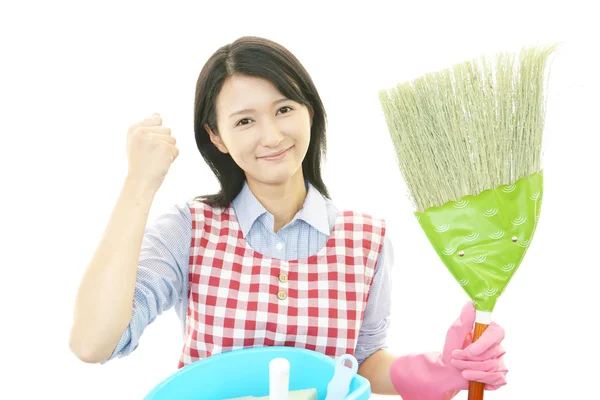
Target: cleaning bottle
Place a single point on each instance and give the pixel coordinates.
(339, 386)
(279, 379)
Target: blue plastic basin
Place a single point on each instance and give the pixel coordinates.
(245, 372)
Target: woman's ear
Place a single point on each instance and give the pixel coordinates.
(216, 139)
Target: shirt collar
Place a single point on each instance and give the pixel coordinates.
(314, 210)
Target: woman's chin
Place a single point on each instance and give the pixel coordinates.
(276, 176)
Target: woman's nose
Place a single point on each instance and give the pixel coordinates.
(271, 134)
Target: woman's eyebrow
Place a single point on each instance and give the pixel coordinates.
(245, 110)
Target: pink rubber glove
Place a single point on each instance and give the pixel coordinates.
(440, 376)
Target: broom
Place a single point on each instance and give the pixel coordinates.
(468, 141)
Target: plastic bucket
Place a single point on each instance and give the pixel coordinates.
(245, 372)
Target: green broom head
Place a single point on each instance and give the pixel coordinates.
(468, 142)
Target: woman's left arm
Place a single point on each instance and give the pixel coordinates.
(441, 375)
(376, 369)
(375, 360)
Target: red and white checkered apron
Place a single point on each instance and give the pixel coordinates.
(240, 298)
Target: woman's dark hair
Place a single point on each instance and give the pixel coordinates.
(257, 57)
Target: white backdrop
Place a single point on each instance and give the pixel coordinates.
(76, 75)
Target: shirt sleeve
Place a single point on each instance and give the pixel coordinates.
(162, 273)
(373, 332)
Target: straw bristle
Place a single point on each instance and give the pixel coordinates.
(469, 128)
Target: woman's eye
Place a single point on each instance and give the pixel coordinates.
(248, 119)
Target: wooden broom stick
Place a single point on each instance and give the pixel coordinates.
(476, 388)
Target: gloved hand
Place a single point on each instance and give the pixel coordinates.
(437, 376)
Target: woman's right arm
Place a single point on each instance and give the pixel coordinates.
(105, 300)
(103, 306)
(160, 282)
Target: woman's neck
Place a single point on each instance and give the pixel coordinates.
(283, 201)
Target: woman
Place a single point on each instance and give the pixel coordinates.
(268, 260)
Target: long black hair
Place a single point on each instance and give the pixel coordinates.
(263, 58)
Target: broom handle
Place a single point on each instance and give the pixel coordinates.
(476, 388)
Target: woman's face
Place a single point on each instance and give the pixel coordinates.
(266, 134)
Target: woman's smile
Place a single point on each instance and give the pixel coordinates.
(276, 156)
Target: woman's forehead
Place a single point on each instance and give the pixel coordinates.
(248, 86)
(246, 93)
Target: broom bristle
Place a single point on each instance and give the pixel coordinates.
(469, 128)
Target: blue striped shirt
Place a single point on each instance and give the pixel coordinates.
(162, 275)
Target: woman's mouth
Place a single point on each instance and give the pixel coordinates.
(276, 156)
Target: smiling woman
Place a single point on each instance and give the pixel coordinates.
(268, 260)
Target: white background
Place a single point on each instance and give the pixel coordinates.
(75, 75)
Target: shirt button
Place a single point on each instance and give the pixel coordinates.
(282, 295)
(279, 246)
(283, 278)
